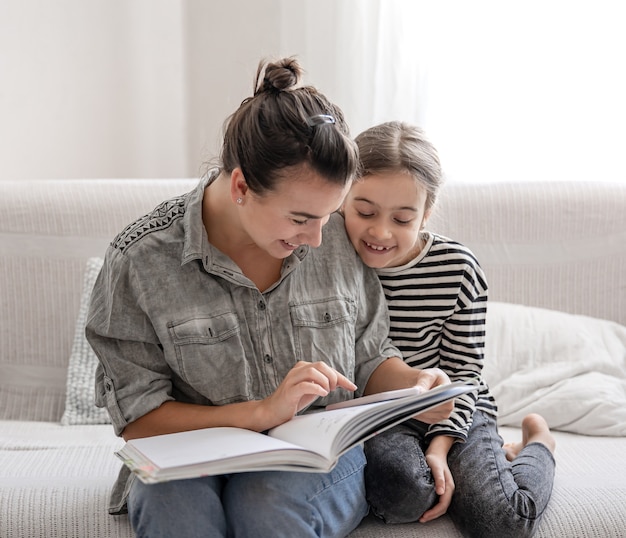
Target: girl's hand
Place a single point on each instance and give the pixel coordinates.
(436, 414)
(429, 379)
(437, 459)
(304, 383)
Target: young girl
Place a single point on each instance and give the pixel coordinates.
(437, 297)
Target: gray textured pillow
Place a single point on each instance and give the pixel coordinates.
(80, 405)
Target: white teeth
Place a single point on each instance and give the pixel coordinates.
(291, 244)
(376, 247)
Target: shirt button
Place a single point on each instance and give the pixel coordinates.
(327, 317)
(107, 386)
(261, 305)
(268, 359)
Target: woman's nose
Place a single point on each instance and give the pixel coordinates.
(314, 234)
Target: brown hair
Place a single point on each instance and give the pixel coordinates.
(399, 147)
(283, 125)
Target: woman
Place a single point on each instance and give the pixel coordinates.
(214, 310)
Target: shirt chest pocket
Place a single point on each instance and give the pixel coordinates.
(325, 331)
(211, 357)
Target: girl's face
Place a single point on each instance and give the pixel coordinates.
(384, 215)
(293, 214)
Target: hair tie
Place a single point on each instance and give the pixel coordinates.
(268, 86)
(319, 119)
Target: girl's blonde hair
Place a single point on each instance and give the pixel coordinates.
(400, 147)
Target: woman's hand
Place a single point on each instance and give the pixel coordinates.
(304, 383)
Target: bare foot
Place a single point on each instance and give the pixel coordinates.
(534, 430)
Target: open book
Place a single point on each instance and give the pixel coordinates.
(311, 442)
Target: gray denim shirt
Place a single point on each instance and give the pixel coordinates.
(173, 318)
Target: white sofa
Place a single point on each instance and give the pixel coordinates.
(558, 248)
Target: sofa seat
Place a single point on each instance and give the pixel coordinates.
(54, 482)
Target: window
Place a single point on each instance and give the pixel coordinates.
(529, 90)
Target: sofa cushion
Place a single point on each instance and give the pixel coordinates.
(55, 481)
(80, 405)
(48, 230)
(571, 369)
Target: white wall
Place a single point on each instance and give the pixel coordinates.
(119, 88)
(224, 42)
(91, 88)
(141, 88)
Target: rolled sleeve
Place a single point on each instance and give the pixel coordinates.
(133, 377)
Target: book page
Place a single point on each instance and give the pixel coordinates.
(206, 445)
(330, 432)
(318, 431)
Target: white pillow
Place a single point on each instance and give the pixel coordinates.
(570, 369)
(80, 405)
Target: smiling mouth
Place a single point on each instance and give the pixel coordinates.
(378, 248)
(290, 244)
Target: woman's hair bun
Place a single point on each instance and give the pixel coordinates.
(286, 124)
(281, 75)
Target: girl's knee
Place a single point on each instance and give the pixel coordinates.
(400, 495)
(398, 481)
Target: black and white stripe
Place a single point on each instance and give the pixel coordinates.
(438, 306)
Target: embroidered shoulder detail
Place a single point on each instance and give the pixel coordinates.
(160, 218)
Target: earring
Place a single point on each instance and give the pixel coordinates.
(239, 200)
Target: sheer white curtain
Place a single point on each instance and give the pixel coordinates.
(507, 91)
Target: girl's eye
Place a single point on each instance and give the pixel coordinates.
(403, 222)
(365, 215)
(299, 222)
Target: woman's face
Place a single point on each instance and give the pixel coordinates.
(384, 216)
(293, 214)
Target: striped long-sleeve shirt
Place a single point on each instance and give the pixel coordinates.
(438, 306)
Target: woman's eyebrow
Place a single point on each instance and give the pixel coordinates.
(304, 214)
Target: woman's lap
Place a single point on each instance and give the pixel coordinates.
(256, 504)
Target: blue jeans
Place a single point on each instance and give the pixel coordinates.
(493, 497)
(260, 504)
